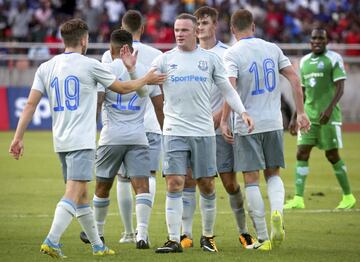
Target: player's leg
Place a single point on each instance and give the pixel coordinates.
(189, 206)
(137, 165)
(101, 202)
(305, 143)
(155, 155)
(77, 171)
(276, 195)
(108, 161)
(203, 164)
(348, 200)
(175, 160)
(273, 148)
(225, 167)
(249, 158)
(331, 141)
(125, 205)
(64, 213)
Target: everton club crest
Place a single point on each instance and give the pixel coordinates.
(203, 66)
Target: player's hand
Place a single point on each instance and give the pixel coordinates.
(16, 148)
(128, 58)
(153, 78)
(293, 127)
(303, 123)
(226, 132)
(217, 119)
(248, 121)
(325, 116)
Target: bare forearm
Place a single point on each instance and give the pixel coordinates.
(24, 121)
(127, 86)
(225, 112)
(294, 80)
(158, 103)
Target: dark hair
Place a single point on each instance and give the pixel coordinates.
(132, 21)
(205, 11)
(72, 31)
(119, 38)
(319, 29)
(188, 17)
(241, 19)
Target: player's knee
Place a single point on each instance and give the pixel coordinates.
(174, 183)
(302, 155)
(206, 185)
(102, 189)
(231, 187)
(332, 156)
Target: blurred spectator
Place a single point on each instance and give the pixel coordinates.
(169, 11)
(43, 21)
(115, 9)
(52, 38)
(152, 17)
(3, 22)
(19, 20)
(353, 37)
(276, 20)
(92, 16)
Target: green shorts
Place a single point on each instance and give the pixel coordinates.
(324, 137)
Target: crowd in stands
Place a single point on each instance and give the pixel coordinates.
(283, 21)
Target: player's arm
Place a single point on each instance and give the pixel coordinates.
(100, 101)
(217, 118)
(233, 100)
(129, 60)
(339, 91)
(302, 120)
(158, 103)
(225, 130)
(151, 78)
(17, 148)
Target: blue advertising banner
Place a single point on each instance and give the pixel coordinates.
(17, 97)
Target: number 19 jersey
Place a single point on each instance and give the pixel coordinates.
(70, 81)
(256, 64)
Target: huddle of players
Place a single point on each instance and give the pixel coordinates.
(198, 143)
(190, 146)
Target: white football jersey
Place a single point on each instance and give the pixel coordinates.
(146, 55)
(123, 114)
(256, 64)
(187, 90)
(217, 99)
(70, 81)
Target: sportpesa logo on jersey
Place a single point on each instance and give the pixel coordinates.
(188, 78)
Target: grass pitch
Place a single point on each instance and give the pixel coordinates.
(31, 188)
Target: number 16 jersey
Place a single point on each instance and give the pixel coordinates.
(256, 64)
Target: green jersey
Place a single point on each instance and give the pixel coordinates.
(318, 76)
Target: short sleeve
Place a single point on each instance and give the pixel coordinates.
(339, 72)
(219, 72)
(230, 64)
(154, 90)
(102, 75)
(38, 83)
(158, 64)
(106, 57)
(283, 60)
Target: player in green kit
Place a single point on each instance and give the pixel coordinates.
(322, 77)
